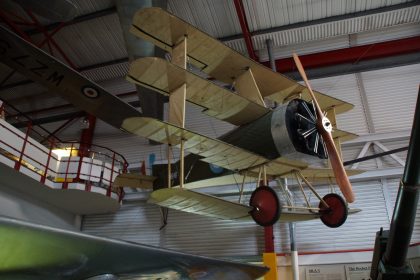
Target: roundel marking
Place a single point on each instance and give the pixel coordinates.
(216, 169)
(90, 92)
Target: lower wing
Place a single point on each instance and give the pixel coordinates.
(211, 206)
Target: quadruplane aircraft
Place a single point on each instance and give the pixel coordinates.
(268, 143)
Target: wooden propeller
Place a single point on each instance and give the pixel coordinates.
(324, 128)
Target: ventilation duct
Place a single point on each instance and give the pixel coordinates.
(151, 102)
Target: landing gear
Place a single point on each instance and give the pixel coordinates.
(266, 206)
(336, 214)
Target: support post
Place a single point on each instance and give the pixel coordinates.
(406, 204)
(293, 251)
(177, 101)
(269, 256)
(47, 165)
(292, 235)
(22, 152)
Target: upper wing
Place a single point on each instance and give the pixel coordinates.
(73, 255)
(219, 61)
(165, 77)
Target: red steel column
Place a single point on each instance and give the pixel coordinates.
(269, 239)
(268, 234)
(245, 29)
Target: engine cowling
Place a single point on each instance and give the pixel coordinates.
(289, 131)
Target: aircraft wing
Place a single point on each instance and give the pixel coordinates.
(319, 174)
(134, 180)
(165, 77)
(343, 135)
(221, 62)
(212, 150)
(61, 79)
(312, 174)
(32, 251)
(211, 206)
(283, 167)
(198, 203)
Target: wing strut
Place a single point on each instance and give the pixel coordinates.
(177, 104)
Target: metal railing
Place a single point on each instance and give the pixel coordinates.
(98, 166)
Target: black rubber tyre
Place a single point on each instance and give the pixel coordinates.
(336, 214)
(266, 206)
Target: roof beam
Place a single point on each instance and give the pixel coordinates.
(325, 20)
(351, 55)
(362, 66)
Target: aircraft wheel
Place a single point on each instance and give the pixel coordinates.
(336, 214)
(266, 206)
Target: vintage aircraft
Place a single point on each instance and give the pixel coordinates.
(31, 251)
(268, 143)
(282, 140)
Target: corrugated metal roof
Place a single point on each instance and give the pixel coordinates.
(108, 72)
(89, 6)
(376, 22)
(219, 19)
(93, 42)
(216, 17)
(390, 33)
(211, 15)
(273, 13)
